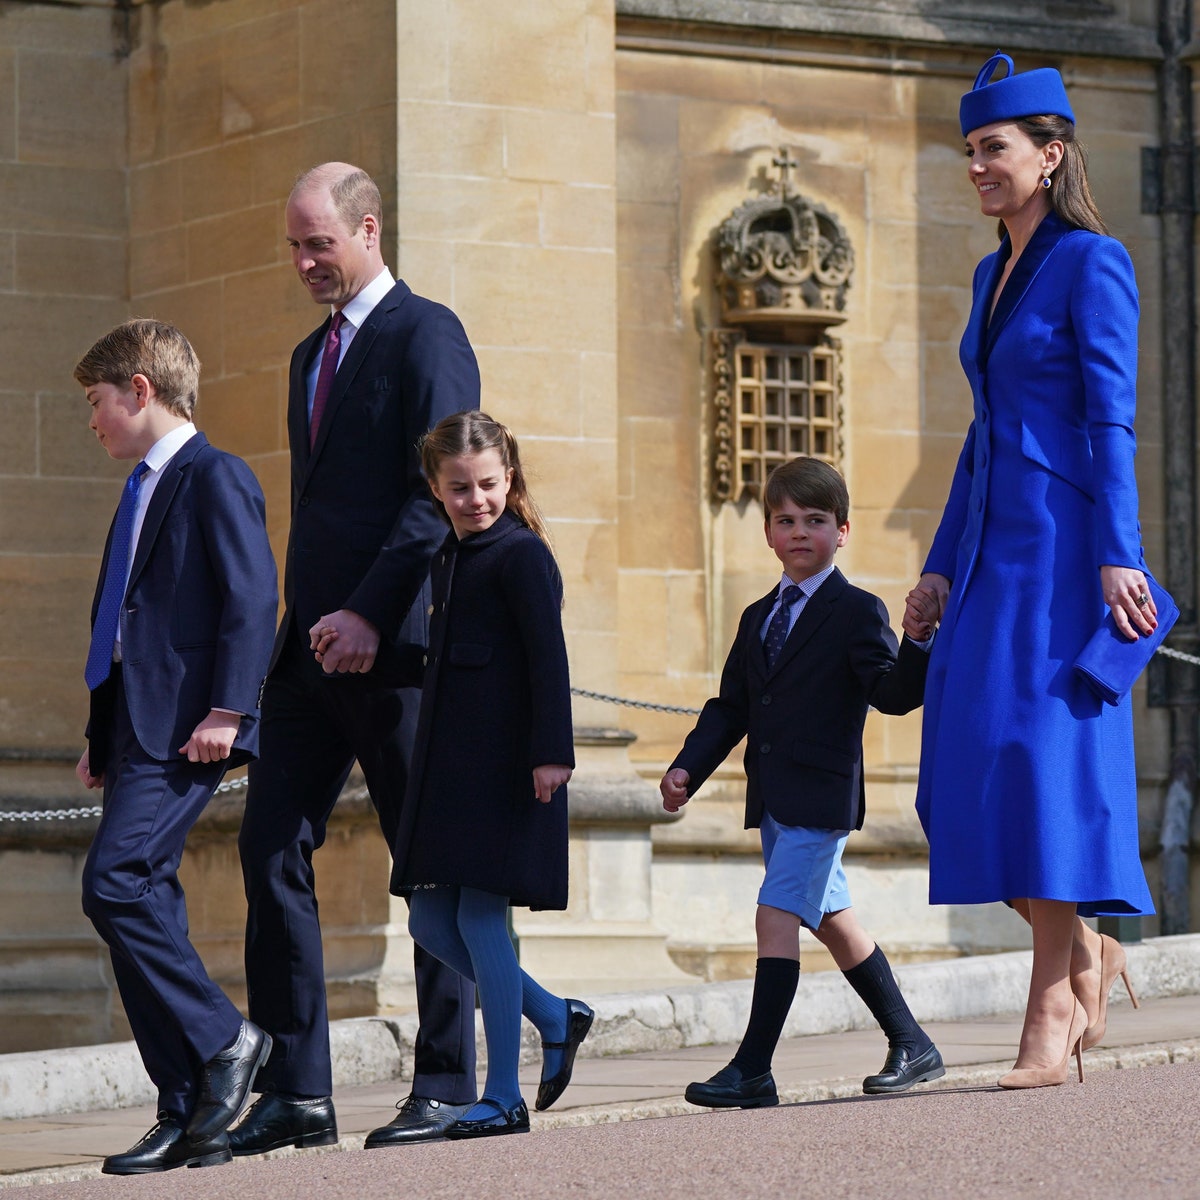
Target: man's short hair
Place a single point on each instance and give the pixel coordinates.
(147, 347)
(353, 192)
(808, 483)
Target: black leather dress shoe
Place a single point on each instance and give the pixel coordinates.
(504, 1120)
(900, 1071)
(165, 1147)
(420, 1120)
(272, 1122)
(728, 1089)
(225, 1081)
(579, 1021)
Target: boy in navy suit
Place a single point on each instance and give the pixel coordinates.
(182, 625)
(808, 660)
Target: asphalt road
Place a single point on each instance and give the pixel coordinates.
(1123, 1134)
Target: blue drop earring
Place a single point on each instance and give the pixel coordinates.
(1045, 181)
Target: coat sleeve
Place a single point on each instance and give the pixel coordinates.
(1104, 312)
(232, 516)
(440, 376)
(943, 553)
(724, 719)
(533, 589)
(894, 680)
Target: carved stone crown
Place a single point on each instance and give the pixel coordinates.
(783, 259)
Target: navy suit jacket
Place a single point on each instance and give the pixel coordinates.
(200, 607)
(803, 718)
(363, 525)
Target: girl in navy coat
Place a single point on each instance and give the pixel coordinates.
(484, 824)
(1027, 789)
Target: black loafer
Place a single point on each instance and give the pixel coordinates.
(900, 1071)
(579, 1021)
(728, 1089)
(420, 1120)
(226, 1080)
(273, 1122)
(505, 1120)
(166, 1147)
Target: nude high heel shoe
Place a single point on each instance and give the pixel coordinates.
(1112, 963)
(1031, 1077)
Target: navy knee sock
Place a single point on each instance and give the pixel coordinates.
(775, 981)
(873, 980)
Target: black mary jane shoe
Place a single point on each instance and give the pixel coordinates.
(579, 1021)
(506, 1120)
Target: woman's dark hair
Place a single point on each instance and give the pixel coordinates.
(1070, 193)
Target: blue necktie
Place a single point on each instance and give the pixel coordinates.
(112, 596)
(777, 631)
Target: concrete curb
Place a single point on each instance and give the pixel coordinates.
(378, 1049)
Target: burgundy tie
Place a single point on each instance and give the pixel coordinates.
(329, 365)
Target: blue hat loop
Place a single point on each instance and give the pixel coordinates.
(1029, 94)
(988, 69)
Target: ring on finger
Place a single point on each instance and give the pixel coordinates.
(1142, 600)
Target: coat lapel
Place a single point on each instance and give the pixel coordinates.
(298, 393)
(355, 356)
(160, 502)
(1034, 257)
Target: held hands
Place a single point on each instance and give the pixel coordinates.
(674, 789)
(83, 769)
(1123, 587)
(213, 738)
(924, 605)
(548, 779)
(343, 642)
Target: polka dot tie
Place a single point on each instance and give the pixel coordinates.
(777, 631)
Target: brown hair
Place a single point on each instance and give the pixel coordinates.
(353, 192)
(472, 432)
(145, 347)
(807, 483)
(1070, 193)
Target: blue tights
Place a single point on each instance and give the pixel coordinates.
(467, 929)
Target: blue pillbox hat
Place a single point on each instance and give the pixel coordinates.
(1030, 94)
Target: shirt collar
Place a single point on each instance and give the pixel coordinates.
(356, 311)
(808, 586)
(168, 446)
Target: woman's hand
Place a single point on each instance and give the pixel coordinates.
(924, 605)
(548, 779)
(1126, 594)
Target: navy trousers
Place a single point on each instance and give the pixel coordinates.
(313, 729)
(131, 893)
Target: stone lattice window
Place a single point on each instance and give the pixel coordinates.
(787, 405)
(783, 270)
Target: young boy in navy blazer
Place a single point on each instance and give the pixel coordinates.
(182, 625)
(808, 660)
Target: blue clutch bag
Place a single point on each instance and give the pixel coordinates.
(1110, 663)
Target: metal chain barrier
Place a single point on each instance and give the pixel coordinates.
(94, 810)
(646, 704)
(233, 785)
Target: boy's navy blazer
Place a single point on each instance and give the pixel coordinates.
(803, 719)
(364, 527)
(200, 608)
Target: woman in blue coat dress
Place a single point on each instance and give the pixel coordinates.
(1027, 790)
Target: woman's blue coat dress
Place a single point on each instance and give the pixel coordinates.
(1027, 785)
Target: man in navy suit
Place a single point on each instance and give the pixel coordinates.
(383, 367)
(181, 635)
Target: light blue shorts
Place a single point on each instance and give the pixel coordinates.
(804, 870)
